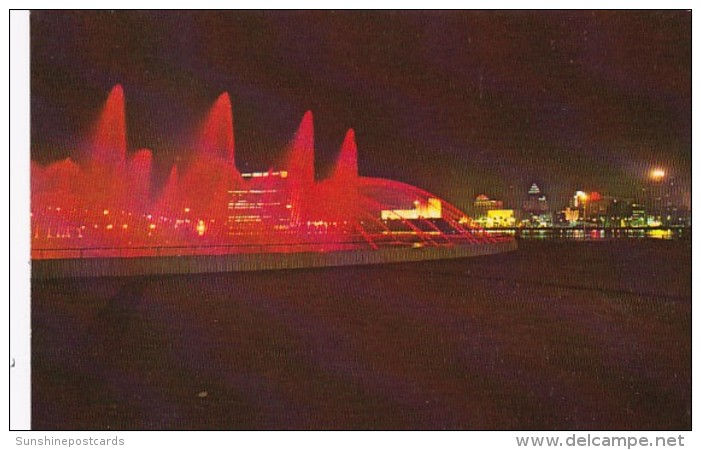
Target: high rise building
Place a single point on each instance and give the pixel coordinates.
(536, 212)
(536, 202)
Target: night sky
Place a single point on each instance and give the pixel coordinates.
(457, 103)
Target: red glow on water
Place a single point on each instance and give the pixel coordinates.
(108, 208)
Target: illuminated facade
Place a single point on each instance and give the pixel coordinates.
(265, 203)
(483, 204)
(498, 218)
(571, 215)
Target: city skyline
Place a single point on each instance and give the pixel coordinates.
(657, 180)
(460, 103)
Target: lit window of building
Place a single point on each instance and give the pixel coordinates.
(429, 209)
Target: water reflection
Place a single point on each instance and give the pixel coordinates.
(597, 233)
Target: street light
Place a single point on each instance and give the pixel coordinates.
(657, 174)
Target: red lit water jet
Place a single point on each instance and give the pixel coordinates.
(109, 144)
(167, 200)
(300, 163)
(107, 207)
(346, 170)
(205, 188)
(338, 198)
(217, 137)
(138, 179)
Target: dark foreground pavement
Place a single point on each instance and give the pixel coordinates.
(558, 335)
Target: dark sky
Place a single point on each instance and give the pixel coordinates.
(458, 103)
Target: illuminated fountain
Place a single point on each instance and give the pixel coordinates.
(106, 206)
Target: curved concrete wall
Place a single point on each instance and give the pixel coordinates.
(116, 267)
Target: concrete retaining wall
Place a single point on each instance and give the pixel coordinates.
(116, 267)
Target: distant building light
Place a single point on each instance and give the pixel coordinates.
(500, 218)
(432, 209)
(657, 174)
